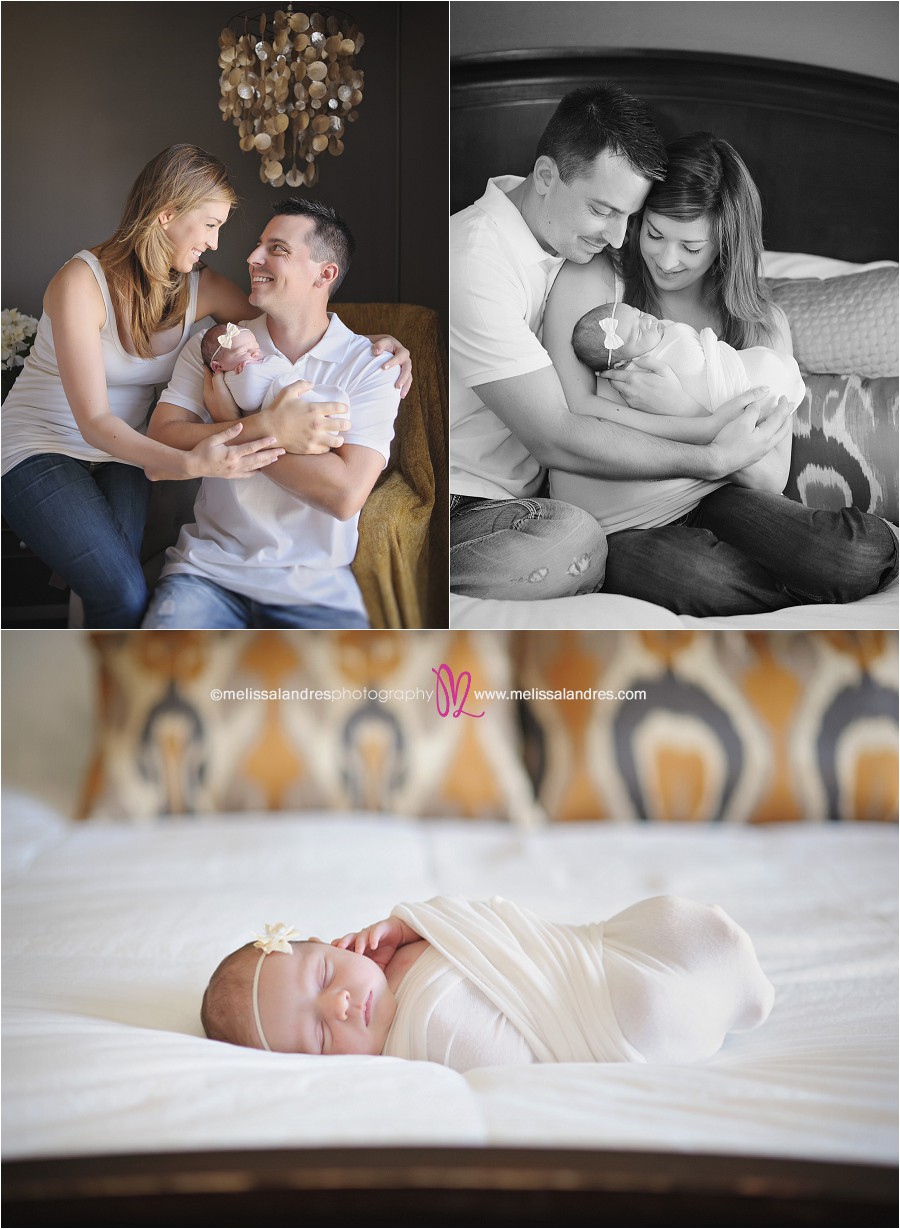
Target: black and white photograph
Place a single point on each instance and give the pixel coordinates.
(673, 316)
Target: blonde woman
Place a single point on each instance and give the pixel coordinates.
(75, 460)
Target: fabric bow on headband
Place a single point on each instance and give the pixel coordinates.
(611, 338)
(225, 339)
(277, 938)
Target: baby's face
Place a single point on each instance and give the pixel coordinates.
(639, 330)
(244, 349)
(324, 1000)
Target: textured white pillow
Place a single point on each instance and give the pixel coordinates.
(843, 325)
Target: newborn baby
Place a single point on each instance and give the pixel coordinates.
(231, 350)
(253, 379)
(471, 984)
(710, 371)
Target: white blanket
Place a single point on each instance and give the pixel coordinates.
(663, 981)
(730, 371)
(113, 930)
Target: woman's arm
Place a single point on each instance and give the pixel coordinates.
(577, 289)
(77, 313)
(220, 298)
(771, 473)
(383, 343)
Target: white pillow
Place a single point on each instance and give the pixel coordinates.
(800, 264)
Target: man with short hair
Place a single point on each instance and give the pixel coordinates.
(509, 421)
(275, 550)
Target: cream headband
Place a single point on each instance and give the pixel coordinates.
(277, 938)
(611, 338)
(226, 339)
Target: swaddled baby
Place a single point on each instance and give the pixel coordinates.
(471, 984)
(254, 378)
(710, 371)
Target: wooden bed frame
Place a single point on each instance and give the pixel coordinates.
(409, 1186)
(821, 144)
(823, 148)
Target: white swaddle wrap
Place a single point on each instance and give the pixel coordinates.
(662, 981)
(730, 371)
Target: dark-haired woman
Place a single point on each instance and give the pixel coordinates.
(703, 548)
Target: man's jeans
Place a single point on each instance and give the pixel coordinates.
(85, 520)
(740, 552)
(186, 601)
(523, 548)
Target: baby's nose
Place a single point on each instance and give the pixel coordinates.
(342, 1004)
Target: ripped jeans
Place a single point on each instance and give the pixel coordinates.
(524, 548)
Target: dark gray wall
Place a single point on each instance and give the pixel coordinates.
(92, 91)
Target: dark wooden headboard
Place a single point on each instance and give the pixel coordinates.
(821, 144)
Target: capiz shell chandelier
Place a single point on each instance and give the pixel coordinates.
(290, 87)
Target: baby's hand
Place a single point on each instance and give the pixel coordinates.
(379, 941)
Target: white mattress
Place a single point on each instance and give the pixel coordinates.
(609, 611)
(111, 932)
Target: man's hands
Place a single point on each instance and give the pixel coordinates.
(758, 423)
(306, 428)
(380, 941)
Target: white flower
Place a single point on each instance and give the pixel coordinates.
(18, 336)
(277, 938)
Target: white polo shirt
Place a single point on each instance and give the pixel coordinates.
(500, 277)
(253, 537)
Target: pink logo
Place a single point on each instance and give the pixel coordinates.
(448, 689)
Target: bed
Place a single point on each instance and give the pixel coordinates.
(820, 138)
(117, 1110)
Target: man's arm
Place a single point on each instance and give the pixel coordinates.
(773, 471)
(534, 408)
(341, 481)
(179, 419)
(338, 483)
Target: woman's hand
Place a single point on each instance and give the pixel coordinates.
(653, 387)
(217, 398)
(380, 941)
(305, 428)
(216, 457)
(385, 344)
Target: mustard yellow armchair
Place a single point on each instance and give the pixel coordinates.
(402, 560)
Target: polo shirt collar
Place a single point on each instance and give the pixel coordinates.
(331, 347)
(497, 204)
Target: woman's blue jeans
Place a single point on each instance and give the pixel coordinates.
(85, 520)
(742, 551)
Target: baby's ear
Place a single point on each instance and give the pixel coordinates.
(216, 366)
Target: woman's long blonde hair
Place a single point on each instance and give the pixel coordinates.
(706, 177)
(148, 294)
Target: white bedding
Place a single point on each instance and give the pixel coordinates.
(111, 932)
(608, 611)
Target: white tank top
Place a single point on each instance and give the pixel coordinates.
(36, 415)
